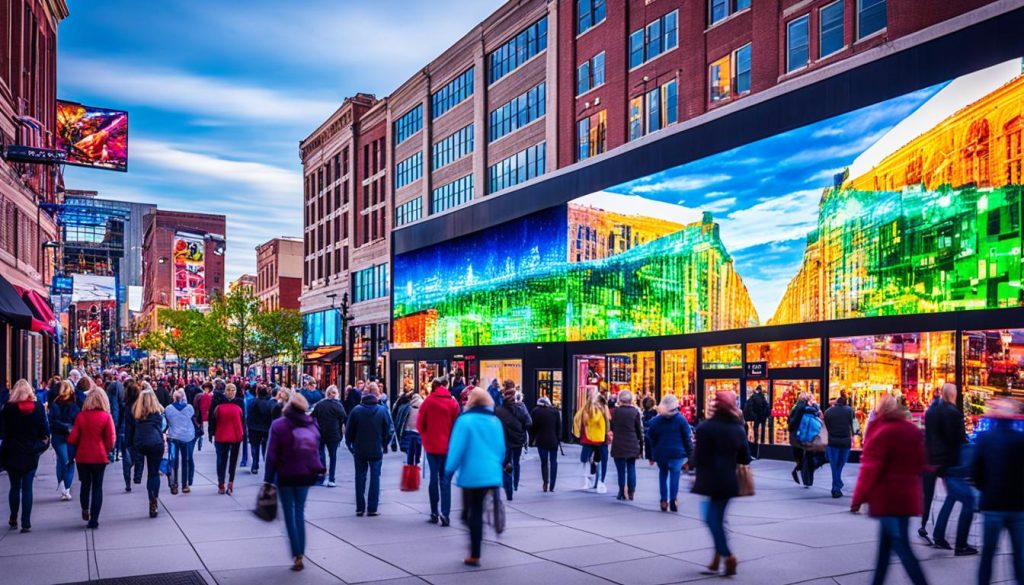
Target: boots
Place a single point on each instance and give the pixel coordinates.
(730, 565)
(621, 495)
(713, 567)
(297, 565)
(231, 487)
(630, 494)
(152, 508)
(588, 480)
(220, 488)
(544, 475)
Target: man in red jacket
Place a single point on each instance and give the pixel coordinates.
(435, 421)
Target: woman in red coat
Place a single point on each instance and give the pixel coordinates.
(228, 420)
(890, 483)
(93, 433)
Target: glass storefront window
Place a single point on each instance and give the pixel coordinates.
(549, 383)
(783, 397)
(406, 374)
(797, 353)
(911, 366)
(710, 388)
(590, 371)
(722, 357)
(501, 370)
(427, 372)
(679, 376)
(631, 371)
(992, 365)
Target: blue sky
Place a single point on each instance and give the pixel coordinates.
(220, 93)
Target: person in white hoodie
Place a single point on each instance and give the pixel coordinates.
(181, 432)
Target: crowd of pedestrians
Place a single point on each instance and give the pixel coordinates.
(474, 436)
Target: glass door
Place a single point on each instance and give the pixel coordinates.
(549, 385)
(784, 394)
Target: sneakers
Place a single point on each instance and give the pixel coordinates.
(942, 544)
(965, 551)
(837, 494)
(65, 496)
(186, 489)
(602, 488)
(331, 484)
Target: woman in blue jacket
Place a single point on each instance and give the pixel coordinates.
(476, 452)
(670, 446)
(63, 411)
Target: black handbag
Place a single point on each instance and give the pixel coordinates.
(266, 503)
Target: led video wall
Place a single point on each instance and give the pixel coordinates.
(912, 205)
(93, 137)
(189, 257)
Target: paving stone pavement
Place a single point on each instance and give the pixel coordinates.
(784, 534)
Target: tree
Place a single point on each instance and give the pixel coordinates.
(278, 334)
(181, 332)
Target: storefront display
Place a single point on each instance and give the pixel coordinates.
(722, 357)
(549, 384)
(679, 377)
(710, 388)
(501, 370)
(783, 396)
(798, 353)
(992, 365)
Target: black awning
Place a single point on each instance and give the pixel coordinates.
(331, 357)
(12, 308)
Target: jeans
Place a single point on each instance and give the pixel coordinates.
(21, 495)
(473, 500)
(588, 451)
(91, 495)
(957, 490)
(329, 457)
(227, 460)
(364, 466)
(668, 478)
(182, 452)
(440, 485)
(714, 517)
(626, 469)
(130, 458)
(837, 457)
(510, 477)
(65, 460)
(293, 507)
(928, 480)
(153, 455)
(245, 449)
(758, 434)
(413, 454)
(258, 446)
(995, 522)
(548, 466)
(894, 538)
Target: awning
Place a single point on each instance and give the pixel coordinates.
(43, 318)
(12, 308)
(326, 355)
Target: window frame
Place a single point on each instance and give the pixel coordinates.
(806, 20)
(593, 75)
(821, 29)
(858, 14)
(591, 11)
(645, 39)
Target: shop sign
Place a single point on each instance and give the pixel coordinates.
(757, 370)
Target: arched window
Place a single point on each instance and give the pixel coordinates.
(975, 154)
(1012, 139)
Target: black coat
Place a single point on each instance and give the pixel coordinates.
(998, 467)
(369, 429)
(261, 414)
(627, 433)
(330, 416)
(514, 421)
(944, 434)
(149, 431)
(25, 436)
(756, 409)
(721, 445)
(839, 424)
(546, 430)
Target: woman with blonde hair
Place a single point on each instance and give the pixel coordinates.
(25, 436)
(94, 436)
(147, 420)
(591, 425)
(62, 413)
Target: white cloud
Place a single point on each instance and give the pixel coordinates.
(642, 206)
(776, 219)
(655, 184)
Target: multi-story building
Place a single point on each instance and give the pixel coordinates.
(182, 261)
(245, 282)
(278, 280)
(28, 235)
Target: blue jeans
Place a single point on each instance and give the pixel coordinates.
(65, 460)
(440, 485)
(21, 495)
(714, 517)
(626, 469)
(329, 457)
(245, 450)
(588, 451)
(548, 466)
(293, 507)
(668, 478)
(413, 454)
(995, 522)
(837, 457)
(364, 466)
(957, 490)
(895, 538)
(182, 453)
(152, 454)
(510, 479)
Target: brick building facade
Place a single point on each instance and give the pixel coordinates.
(278, 280)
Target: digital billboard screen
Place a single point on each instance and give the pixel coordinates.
(93, 137)
(908, 206)
(189, 265)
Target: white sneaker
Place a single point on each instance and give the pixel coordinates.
(60, 488)
(331, 484)
(601, 488)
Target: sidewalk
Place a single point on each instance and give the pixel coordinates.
(784, 534)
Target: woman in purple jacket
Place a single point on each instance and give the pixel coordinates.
(293, 464)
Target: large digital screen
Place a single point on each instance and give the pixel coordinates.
(321, 329)
(90, 287)
(908, 206)
(93, 137)
(189, 265)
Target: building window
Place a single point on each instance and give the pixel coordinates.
(370, 283)
(453, 147)
(830, 19)
(518, 168)
(410, 123)
(730, 76)
(798, 43)
(458, 192)
(656, 38)
(591, 135)
(409, 212)
(654, 110)
(590, 74)
(722, 9)
(870, 17)
(520, 49)
(589, 13)
(452, 94)
(517, 113)
(409, 170)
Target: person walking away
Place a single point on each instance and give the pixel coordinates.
(435, 421)
(330, 416)
(261, 413)
(591, 425)
(149, 442)
(650, 410)
(201, 404)
(24, 436)
(721, 446)
(181, 432)
(94, 437)
(514, 423)
(476, 455)
(366, 436)
(889, 482)
(803, 471)
(407, 409)
(63, 411)
(311, 393)
(131, 461)
(671, 446)
(115, 399)
(280, 401)
(996, 469)
(756, 412)
(928, 481)
(945, 436)
(627, 443)
(545, 433)
(248, 394)
(353, 396)
(494, 390)
(839, 422)
(227, 427)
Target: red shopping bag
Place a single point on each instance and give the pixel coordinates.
(410, 478)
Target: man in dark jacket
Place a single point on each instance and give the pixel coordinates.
(369, 427)
(756, 412)
(545, 434)
(839, 424)
(115, 395)
(258, 419)
(515, 421)
(330, 416)
(944, 438)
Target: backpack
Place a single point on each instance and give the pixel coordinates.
(810, 427)
(306, 447)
